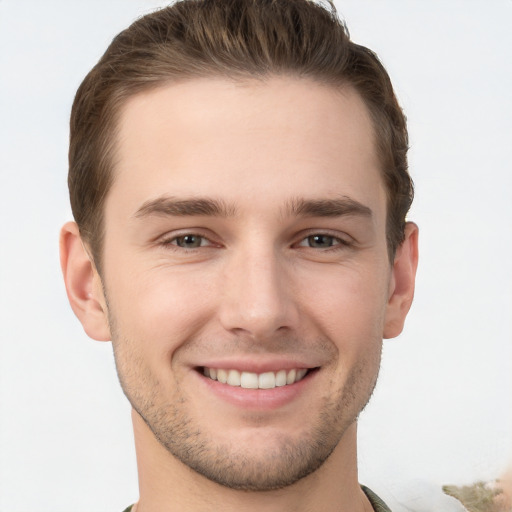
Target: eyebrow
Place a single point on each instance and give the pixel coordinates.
(298, 207)
(164, 206)
(327, 207)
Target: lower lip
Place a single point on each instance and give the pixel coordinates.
(258, 399)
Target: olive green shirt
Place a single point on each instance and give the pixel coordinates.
(377, 504)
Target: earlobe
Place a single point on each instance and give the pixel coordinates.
(402, 282)
(83, 284)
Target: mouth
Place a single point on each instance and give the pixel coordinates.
(250, 380)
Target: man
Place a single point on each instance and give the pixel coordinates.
(239, 183)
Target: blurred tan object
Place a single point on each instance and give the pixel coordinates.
(484, 496)
(505, 483)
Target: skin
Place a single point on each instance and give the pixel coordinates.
(276, 164)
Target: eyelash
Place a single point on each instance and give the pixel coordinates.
(337, 242)
(172, 242)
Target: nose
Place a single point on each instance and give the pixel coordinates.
(258, 296)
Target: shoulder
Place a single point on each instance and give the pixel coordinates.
(377, 504)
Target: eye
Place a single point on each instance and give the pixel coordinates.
(188, 241)
(321, 241)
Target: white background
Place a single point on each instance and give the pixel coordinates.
(442, 412)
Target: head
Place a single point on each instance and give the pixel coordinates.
(238, 177)
(235, 39)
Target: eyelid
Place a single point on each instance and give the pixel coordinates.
(168, 240)
(344, 239)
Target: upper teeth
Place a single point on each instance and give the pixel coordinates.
(249, 380)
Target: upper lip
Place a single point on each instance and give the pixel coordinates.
(257, 365)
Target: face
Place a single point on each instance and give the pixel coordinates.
(246, 273)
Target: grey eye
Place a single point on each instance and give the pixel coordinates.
(189, 241)
(321, 241)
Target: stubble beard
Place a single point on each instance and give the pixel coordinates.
(232, 466)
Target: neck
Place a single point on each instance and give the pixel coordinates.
(167, 485)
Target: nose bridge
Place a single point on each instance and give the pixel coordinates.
(257, 296)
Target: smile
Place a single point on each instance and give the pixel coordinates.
(249, 380)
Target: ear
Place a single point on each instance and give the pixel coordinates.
(83, 284)
(401, 285)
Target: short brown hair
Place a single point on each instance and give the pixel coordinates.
(235, 39)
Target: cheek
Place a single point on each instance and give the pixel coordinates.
(349, 304)
(159, 310)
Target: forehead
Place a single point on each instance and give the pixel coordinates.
(278, 139)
